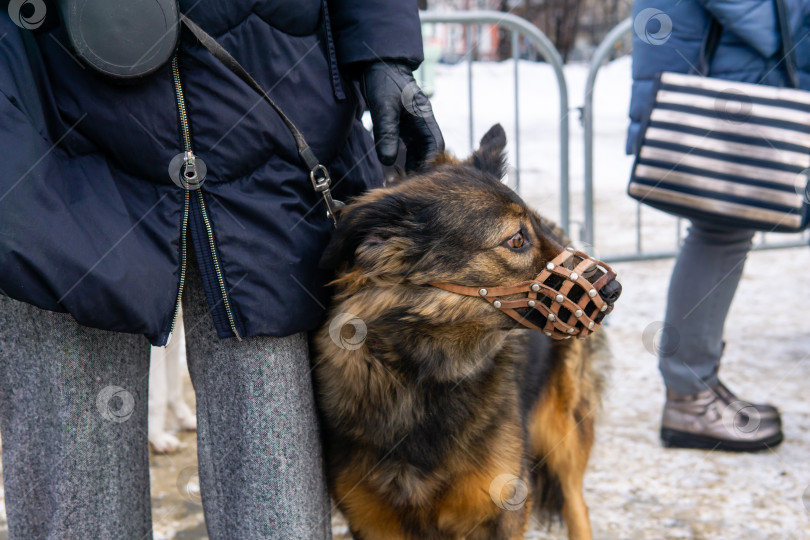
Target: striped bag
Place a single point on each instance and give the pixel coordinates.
(730, 153)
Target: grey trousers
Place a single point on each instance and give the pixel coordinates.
(73, 414)
(703, 283)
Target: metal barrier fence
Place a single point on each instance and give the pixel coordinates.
(602, 52)
(518, 26)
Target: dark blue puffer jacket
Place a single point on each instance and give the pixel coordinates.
(748, 49)
(91, 223)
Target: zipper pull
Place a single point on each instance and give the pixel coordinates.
(188, 170)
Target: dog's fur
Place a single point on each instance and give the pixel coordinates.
(440, 418)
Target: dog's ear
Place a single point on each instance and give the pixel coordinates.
(549, 230)
(490, 156)
(366, 225)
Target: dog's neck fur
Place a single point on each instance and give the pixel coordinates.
(410, 367)
(435, 354)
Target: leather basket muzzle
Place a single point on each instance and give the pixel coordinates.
(565, 292)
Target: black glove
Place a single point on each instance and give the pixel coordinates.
(399, 109)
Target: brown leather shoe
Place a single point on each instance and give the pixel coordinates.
(717, 419)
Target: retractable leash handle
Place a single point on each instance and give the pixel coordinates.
(122, 39)
(318, 173)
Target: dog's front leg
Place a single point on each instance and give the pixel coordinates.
(568, 460)
(575, 511)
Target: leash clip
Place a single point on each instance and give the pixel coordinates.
(320, 182)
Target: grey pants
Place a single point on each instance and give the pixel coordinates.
(73, 413)
(705, 277)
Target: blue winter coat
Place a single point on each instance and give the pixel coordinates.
(91, 223)
(747, 51)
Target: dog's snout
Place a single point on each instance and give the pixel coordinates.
(611, 292)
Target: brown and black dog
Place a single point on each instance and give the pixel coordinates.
(441, 419)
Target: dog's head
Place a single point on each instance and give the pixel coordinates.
(455, 222)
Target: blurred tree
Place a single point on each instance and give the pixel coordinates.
(600, 17)
(504, 36)
(563, 21)
(574, 26)
(558, 19)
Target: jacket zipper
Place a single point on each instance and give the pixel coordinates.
(190, 158)
(183, 257)
(186, 199)
(221, 281)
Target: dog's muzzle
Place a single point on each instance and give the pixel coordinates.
(573, 294)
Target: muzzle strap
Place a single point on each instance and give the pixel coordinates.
(565, 292)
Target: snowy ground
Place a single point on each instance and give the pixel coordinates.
(635, 488)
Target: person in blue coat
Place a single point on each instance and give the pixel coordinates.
(700, 411)
(102, 240)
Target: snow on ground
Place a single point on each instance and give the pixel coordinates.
(638, 490)
(635, 488)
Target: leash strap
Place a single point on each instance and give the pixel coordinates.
(318, 173)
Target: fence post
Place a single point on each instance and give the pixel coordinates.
(468, 30)
(516, 59)
(602, 52)
(599, 56)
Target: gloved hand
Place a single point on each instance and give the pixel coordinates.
(399, 109)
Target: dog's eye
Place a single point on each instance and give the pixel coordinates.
(517, 241)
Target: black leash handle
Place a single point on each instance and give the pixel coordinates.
(318, 173)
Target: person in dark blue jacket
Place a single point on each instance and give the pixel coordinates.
(100, 246)
(700, 411)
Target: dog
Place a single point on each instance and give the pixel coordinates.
(167, 367)
(441, 420)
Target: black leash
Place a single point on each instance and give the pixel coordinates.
(317, 172)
